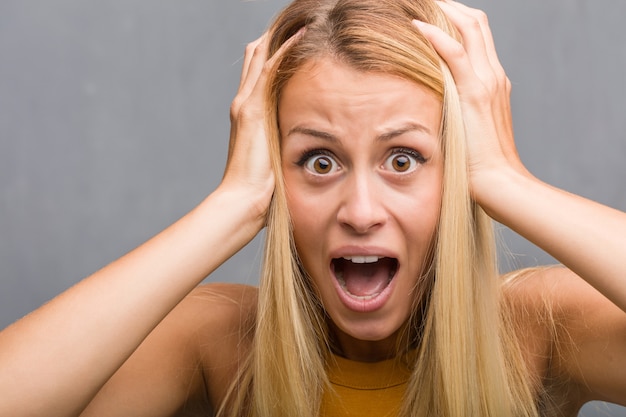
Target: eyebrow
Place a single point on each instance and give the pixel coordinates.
(409, 127)
(383, 137)
(312, 132)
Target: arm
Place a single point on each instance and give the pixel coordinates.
(54, 361)
(187, 363)
(590, 348)
(587, 237)
(573, 337)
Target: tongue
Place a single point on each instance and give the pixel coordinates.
(366, 279)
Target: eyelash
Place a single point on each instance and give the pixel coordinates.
(419, 158)
(308, 154)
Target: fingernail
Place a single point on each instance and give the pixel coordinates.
(419, 23)
(300, 31)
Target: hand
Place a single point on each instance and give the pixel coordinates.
(249, 167)
(484, 91)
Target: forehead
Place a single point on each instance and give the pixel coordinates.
(327, 91)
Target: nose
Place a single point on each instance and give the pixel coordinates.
(361, 209)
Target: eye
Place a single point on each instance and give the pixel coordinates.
(403, 160)
(400, 163)
(318, 162)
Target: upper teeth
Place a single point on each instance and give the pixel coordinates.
(361, 259)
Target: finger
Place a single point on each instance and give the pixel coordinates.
(247, 58)
(287, 44)
(498, 82)
(242, 92)
(251, 94)
(258, 60)
(256, 56)
(477, 14)
(252, 97)
(454, 55)
(473, 18)
(489, 44)
(471, 31)
(473, 25)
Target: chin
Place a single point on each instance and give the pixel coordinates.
(374, 331)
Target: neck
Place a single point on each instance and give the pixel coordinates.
(366, 350)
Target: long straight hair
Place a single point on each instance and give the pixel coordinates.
(468, 362)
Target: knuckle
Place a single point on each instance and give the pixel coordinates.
(482, 93)
(456, 51)
(255, 49)
(501, 78)
(245, 112)
(250, 48)
(481, 17)
(476, 24)
(260, 50)
(235, 107)
(492, 87)
(507, 84)
(498, 69)
(267, 68)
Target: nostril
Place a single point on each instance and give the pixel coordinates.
(360, 226)
(361, 219)
(362, 206)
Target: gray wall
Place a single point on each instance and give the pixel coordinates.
(114, 122)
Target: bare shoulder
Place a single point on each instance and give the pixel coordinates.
(213, 318)
(180, 368)
(574, 337)
(219, 309)
(225, 319)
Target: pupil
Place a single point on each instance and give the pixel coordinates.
(401, 163)
(322, 165)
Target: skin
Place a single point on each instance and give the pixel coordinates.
(168, 347)
(363, 205)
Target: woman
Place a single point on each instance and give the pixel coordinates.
(373, 143)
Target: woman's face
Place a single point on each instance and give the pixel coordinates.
(363, 172)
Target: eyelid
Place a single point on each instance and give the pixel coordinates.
(416, 159)
(306, 155)
(309, 158)
(412, 152)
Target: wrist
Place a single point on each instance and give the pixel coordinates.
(497, 190)
(244, 208)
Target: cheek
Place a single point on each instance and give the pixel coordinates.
(432, 205)
(310, 212)
(311, 222)
(307, 222)
(420, 213)
(433, 193)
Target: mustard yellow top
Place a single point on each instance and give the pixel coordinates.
(361, 389)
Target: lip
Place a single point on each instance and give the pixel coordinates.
(362, 251)
(360, 305)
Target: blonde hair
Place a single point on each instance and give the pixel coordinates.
(468, 362)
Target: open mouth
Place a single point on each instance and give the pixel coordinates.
(364, 277)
